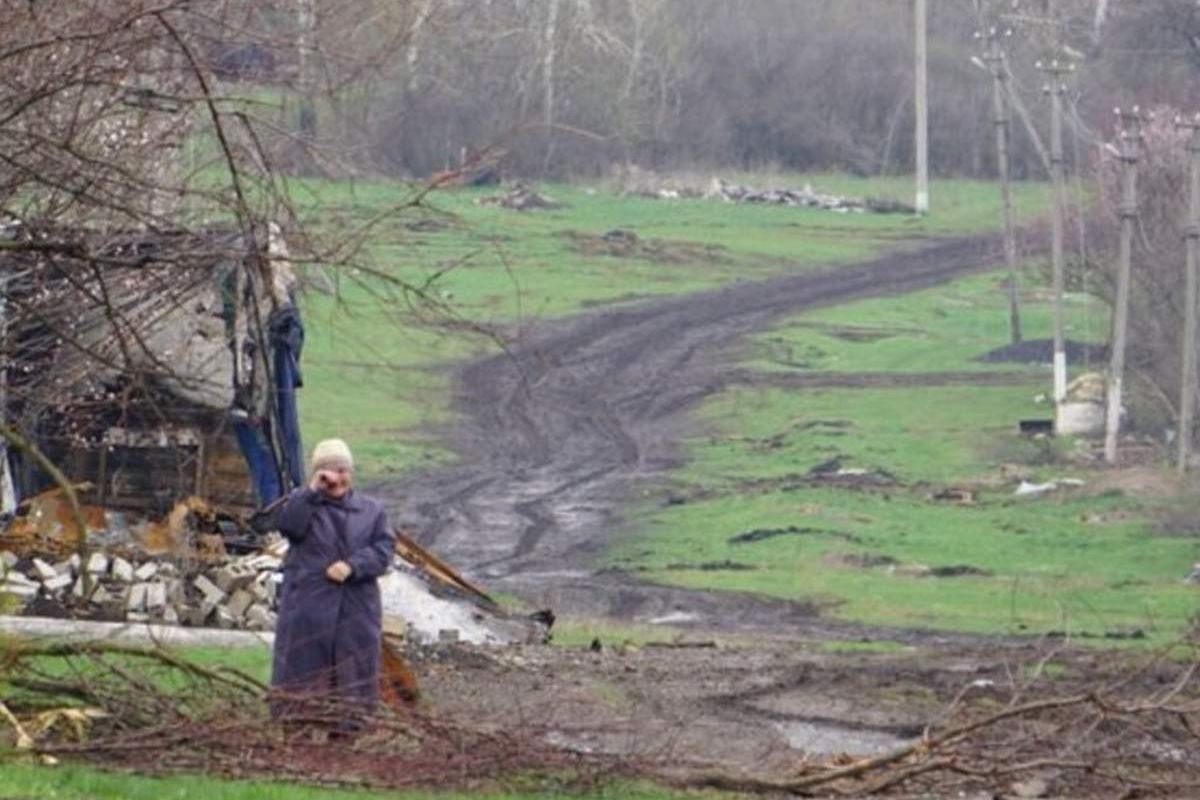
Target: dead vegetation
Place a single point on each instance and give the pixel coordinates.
(1109, 726)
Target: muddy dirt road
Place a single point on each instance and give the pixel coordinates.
(558, 437)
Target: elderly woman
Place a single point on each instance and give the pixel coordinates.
(328, 637)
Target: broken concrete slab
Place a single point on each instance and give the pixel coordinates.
(156, 596)
(121, 570)
(97, 563)
(136, 599)
(58, 583)
(24, 591)
(146, 571)
(8, 559)
(238, 603)
(232, 577)
(210, 590)
(42, 571)
(80, 630)
(260, 618)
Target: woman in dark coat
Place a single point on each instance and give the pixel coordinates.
(328, 636)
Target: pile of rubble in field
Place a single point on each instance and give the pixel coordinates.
(202, 567)
(639, 183)
(239, 593)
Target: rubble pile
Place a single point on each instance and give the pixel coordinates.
(633, 182)
(239, 593)
(805, 197)
(520, 198)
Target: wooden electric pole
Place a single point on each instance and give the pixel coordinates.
(1187, 383)
(995, 63)
(1131, 139)
(922, 105)
(1056, 71)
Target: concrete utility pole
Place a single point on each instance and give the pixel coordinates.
(995, 63)
(1187, 391)
(8, 495)
(1056, 71)
(1131, 139)
(922, 106)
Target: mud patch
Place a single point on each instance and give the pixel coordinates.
(834, 471)
(622, 243)
(864, 560)
(763, 534)
(825, 739)
(712, 566)
(1041, 351)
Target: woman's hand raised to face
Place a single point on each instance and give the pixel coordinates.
(334, 483)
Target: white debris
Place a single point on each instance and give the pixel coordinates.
(43, 571)
(122, 570)
(1027, 489)
(156, 596)
(57, 583)
(146, 571)
(406, 595)
(675, 618)
(97, 564)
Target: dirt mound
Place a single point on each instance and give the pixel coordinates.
(1041, 351)
(622, 243)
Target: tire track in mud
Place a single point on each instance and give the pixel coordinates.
(558, 435)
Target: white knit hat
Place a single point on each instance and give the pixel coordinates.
(332, 454)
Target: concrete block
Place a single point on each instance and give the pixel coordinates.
(170, 616)
(121, 570)
(64, 568)
(140, 617)
(263, 562)
(16, 576)
(238, 603)
(146, 571)
(224, 619)
(175, 593)
(156, 596)
(208, 589)
(75, 562)
(259, 618)
(232, 577)
(24, 591)
(101, 596)
(58, 583)
(258, 591)
(97, 563)
(136, 600)
(43, 571)
(8, 559)
(198, 616)
(167, 569)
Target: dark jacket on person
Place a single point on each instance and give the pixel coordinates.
(328, 635)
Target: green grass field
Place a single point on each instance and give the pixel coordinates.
(377, 374)
(1074, 561)
(18, 781)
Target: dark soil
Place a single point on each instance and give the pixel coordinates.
(557, 435)
(1041, 351)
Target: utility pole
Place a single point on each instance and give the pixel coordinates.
(922, 105)
(1131, 139)
(995, 62)
(1056, 71)
(8, 494)
(1187, 389)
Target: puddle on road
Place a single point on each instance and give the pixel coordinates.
(831, 740)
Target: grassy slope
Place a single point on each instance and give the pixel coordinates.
(1053, 567)
(378, 379)
(83, 783)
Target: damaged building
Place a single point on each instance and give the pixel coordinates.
(151, 366)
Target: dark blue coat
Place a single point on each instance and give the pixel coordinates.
(328, 635)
